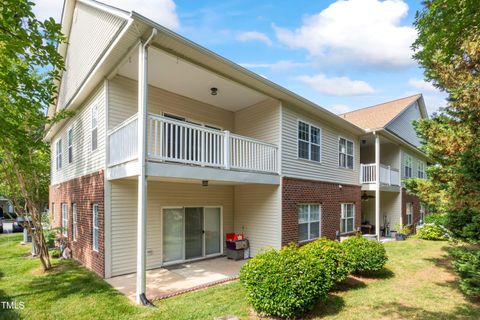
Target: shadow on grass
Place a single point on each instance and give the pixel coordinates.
(351, 283)
(397, 310)
(329, 307)
(7, 303)
(385, 273)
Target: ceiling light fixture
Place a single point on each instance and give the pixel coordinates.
(213, 91)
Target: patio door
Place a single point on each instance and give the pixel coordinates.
(193, 233)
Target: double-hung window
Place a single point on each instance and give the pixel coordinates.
(95, 227)
(408, 166)
(308, 222)
(70, 145)
(421, 170)
(94, 132)
(58, 154)
(64, 219)
(409, 213)
(74, 222)
(345, 153)
(309, 141)
(347, 223)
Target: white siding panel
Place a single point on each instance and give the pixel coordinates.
(85, 160)
(260, 121)
(403, 125)
(160, 194)
(91, 33)
(328, 170)
(258, 215)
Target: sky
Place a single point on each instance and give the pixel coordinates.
(342, 55)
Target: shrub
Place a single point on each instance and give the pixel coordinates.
(55, 253)
(331, 256)
(363, 254)
(284, 283)
(439, 219)
(466, 262)
(432, 231)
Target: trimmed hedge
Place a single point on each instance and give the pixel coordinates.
(285, 283)
(363, 254)
(466, 262)
(432, 231)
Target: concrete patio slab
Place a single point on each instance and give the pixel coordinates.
(185, 277)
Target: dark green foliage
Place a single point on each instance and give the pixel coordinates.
(284, 283)
(363, 254)
(467, 265)
(329, 254)
(431, 231)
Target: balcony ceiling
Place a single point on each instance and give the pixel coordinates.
(173, 74)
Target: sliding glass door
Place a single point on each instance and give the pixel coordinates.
(212, 230)
(173, 227)
(193, 233)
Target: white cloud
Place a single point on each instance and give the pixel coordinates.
(360, 31)
(254, 36)
(422, 85)
(281, 65)
(337, 86)
(339, 108)
(161, 11)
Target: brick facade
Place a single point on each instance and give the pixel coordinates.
(328, 195)
(406, 198)
(84, 191)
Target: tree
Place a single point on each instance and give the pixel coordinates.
(29, 67)
(448, 48)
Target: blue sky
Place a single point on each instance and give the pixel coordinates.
(341, 55)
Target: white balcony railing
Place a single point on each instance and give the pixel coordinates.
(170, 140)
(388, 176)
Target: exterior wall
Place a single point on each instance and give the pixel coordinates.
(389, 154)
(85, 161)
(123, 104)
(85, 46)
(258, 215)
(402, 126)
(390, 207)
(260, 121)
(416, 206)
(84, 191)
(326, 170)
(328, 195)
(160, 194)
(415, 161)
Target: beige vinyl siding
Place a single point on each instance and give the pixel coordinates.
(160, 194)
(90, 35)
(260, 121)
(85, 160)
(389, 155)
(326, 170)
(390, 206)
(403, 127)
(123, 104)
(258, 215)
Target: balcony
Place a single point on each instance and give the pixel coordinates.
(388, 176)
(173, 141)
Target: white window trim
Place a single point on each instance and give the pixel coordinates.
(70, 145)
(408, 160)
(297, 139)
(74, 221)
(95, 228)
(346, 154)
(343, 217)
(421, 169)
(58, 154)
(65, 219)
(409, 212)
(312, 221)
(94, 115)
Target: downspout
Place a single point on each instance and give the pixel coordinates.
(142, 179)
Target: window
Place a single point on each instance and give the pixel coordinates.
(58, 154)
(309, 138)
(422, 212)
(70, 145)
(409, 213)
(421, 170)
(345, 153)
(74, 218)
(64, 220)
(94, 127)
(95, 227)
(308, 221)
(408, 166)
(348, 218)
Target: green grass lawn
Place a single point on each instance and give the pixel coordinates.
(417, 283)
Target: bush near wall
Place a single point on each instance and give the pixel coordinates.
(364, 255)
(432, 231)
(466, 262)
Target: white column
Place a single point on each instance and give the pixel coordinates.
(226, 149)
(142, 181)
(377, 185)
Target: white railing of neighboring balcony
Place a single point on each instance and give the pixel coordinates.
(388, 176)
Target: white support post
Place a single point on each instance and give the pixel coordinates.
(389, 171)
(226, 149)
(377, 185)
(361, 173)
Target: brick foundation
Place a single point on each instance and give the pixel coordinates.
(84, 191)
(329, 195)
(416, 207)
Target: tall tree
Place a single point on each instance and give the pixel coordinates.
(29, 66)
(448, 48)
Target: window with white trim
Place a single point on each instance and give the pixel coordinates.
(421, 170)
(95, 227)
(94, 132)
(422, 212)
(308, 222)
(64, 219)
(309, 141)
(58, 154)
(347, 223)
(408, 166)
(409, 213)
(345, 153)
(70, 145)
(74, 221)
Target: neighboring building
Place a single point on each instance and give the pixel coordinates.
(151, 173)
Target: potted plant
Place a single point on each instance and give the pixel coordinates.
(402, 231)
(393, 233)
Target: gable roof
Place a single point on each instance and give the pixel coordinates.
(380, 115)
